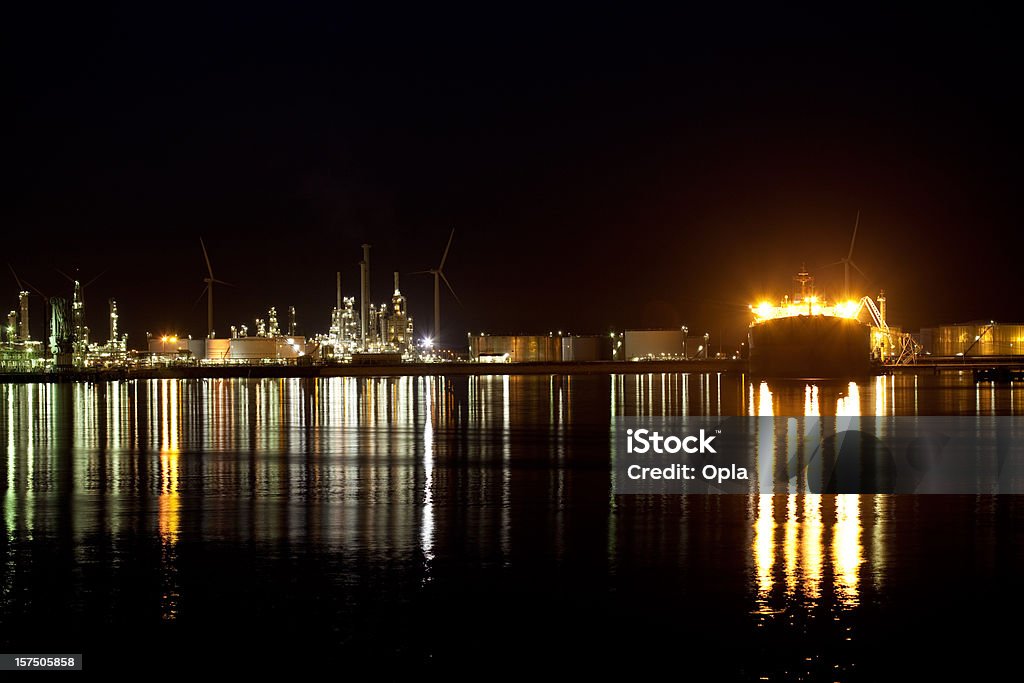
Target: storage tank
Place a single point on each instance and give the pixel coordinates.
(218, 349)
(266, 348)
(521, 348)
(975, 339)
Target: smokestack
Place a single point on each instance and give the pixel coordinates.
(291, 321)
(365, 312)
(396, 283)
(881, 306)
(23, 332)
(338, 306)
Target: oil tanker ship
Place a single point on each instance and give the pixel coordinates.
(807, 337)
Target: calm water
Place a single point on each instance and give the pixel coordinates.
(465, 525)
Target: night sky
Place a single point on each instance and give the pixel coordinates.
(602, 170)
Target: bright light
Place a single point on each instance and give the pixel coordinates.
(765, 310)
(848, 309)
(428, 343)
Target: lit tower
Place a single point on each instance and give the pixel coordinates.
(881, 307)
(274, 330)
(113, 323)
(78, 312)
(23, 331)
(397, 327)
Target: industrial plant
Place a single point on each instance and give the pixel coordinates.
(802, 335)
(361, 332)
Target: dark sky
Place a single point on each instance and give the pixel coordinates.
(601, 169)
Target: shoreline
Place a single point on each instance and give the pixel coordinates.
(354, 370)
(935, 366)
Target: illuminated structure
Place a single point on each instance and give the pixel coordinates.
(373, 329)
(61, 333)
(806, 336)
(23, 330)
(888, 344)
(397, 324)
(515, 348)
(18, 353)
(79, 330)
(974, 339)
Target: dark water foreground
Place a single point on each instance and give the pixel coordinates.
(373, 528)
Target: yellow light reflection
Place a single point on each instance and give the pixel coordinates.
(789, 544)
(427, 522)
(811, 407)
(849, 405)
(764, 550)
(764, 400)
(847, 551)
(169, 501)
(811, 545)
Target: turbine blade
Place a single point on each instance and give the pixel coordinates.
(102, 272)
(836, 263)
(863, 274)
(422, 272)
(66, 276)
(221, 282)
(201, 295)
(445, 257)
(450, 288)
(32, 287)
(856, 223)
(206, 257)
(16, 278)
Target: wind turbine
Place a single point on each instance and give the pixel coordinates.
(208, 290)
(848, 262)
(438, 274)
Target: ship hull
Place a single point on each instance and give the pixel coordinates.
(810, 347)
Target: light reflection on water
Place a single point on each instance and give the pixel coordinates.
(504, 472)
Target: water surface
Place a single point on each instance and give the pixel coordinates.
(467, 525)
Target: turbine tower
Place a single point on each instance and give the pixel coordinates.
(848, 262)
(439, 275)
(209, 290)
